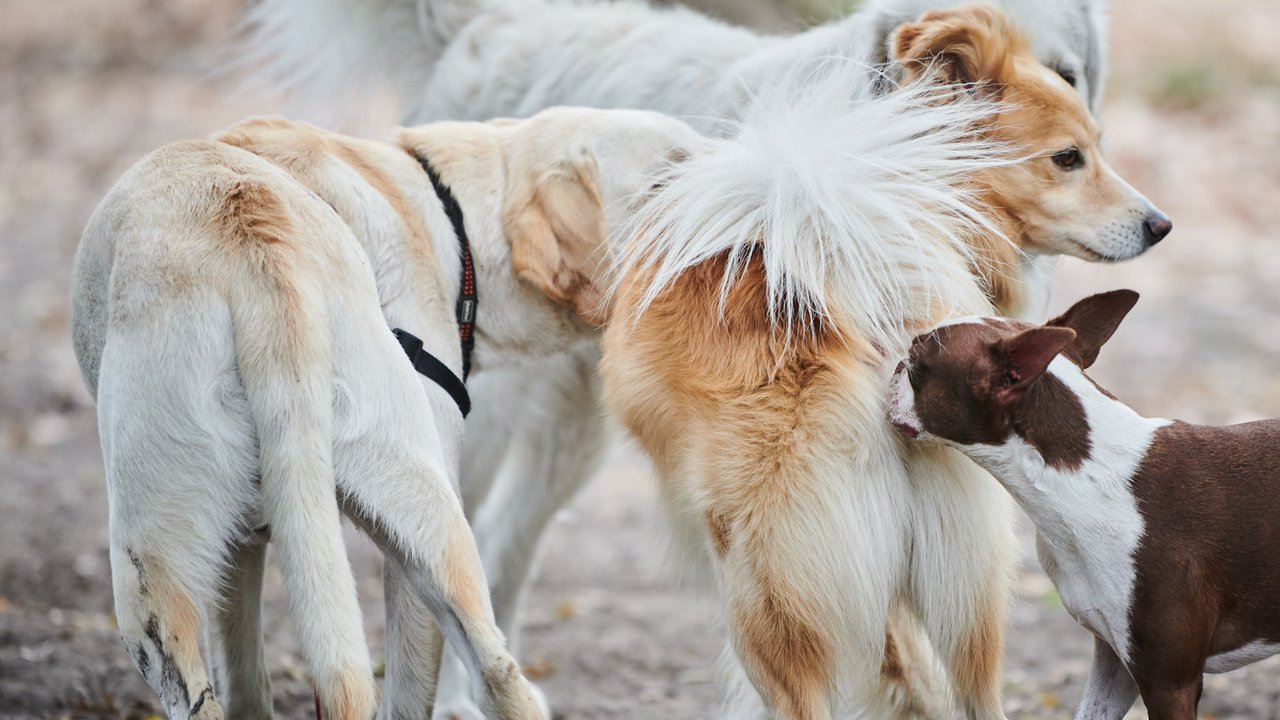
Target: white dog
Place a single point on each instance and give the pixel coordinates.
(232, 308)
(474, 59)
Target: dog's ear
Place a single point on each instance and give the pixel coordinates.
(1024, 358)
(1094, 320)
(557, 235)
(970, 45)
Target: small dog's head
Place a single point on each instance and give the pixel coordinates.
(975, 381)
(1065, 198)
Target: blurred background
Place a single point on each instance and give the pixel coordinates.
(89, 86)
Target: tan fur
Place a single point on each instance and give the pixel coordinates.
(251, 213)
(752, 422)
(556, 237)
(462, 576)
(716, 397)
(181, 619)
(1040, 114)
(980, 651)
(301, 148)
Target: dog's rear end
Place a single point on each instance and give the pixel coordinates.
(756, 302)
(230, 325)
(201, 324)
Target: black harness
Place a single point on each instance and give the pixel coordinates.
(468, 300)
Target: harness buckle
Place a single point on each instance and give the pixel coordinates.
(467, 310)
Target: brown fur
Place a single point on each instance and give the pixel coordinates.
(980, 653)
(1207, 573)
(990, 398)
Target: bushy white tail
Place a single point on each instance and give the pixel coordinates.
(859, 205)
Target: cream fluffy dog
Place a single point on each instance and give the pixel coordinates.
(766, 292)
(232, 307)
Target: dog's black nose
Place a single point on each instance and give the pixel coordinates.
(1155, 227)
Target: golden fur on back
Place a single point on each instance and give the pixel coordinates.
(760, 436)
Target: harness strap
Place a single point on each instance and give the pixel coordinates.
(468, 294)
(425, 363)
(431, 368)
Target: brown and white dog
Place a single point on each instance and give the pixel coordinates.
(759, 308)
(232, 307)
(1159, 535)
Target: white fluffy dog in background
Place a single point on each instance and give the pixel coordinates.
(475, 59)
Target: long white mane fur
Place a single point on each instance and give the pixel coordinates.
(859, 205)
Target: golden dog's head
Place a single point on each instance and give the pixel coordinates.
(1064, 198)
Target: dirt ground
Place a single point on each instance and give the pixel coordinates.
(88, 86)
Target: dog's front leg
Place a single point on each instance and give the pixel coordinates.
(414, 646)
(1110, 690)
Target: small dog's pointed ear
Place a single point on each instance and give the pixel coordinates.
(1094, 320)
(1026, 357)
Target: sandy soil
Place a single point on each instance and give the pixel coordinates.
(87, 87)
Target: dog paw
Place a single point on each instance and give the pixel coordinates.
(206, 707)
(466, 709)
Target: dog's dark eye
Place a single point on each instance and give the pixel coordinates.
(1068, 159)
(1067, 75)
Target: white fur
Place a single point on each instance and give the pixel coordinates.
(1110, 690)
(486, 58)
(476, 59)
(857, 204)
(1087, 520)
(230, 396)
(859, 209)
(1241, 656)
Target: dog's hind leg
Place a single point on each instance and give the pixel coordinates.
(243, 685)
(420, 525)
(961, 568)
(806, 620)
(530, 461)
(414, 648)
(159, 624)
(913, 686)
(178, 451)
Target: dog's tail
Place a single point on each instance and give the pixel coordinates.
(283, 349)
(860, 207)
(321, 49)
